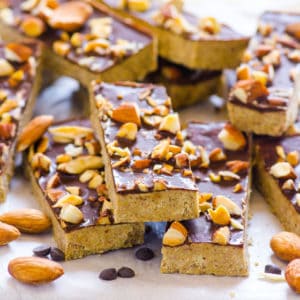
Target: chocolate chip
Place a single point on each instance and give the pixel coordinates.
(272, 269)
(148, 229)
(42, 250)
(126, 272)
(108, 274)
(56, 254)
(144, 253)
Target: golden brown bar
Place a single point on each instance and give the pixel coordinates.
(67, 175)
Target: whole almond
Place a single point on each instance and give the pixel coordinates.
(292, 275)
(34, 270)
(33, 131)
(8, 233)
(286, 245)
(27, 220)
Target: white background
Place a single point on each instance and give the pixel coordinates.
(81, 276)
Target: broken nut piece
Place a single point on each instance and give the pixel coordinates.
(127, 112)
(175, 235)
(231, 206)
(220, 215)
(71, 214)
(128, 131)
(232, 138)
(283, 170)
(221, 236)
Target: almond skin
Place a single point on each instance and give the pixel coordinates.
(33, 131)
(34, 270)
(8, 233)
(286, 245)
(292, 275)
(27, 220)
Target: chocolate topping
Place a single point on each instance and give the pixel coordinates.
(126, 178)
(200, 230)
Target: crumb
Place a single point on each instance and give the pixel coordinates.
(250, 242)
(256, 264)
(232, 294)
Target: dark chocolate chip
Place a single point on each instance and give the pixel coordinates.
(108, 274)
(144, 253)
(148, 229)
(272, 269)
(56, 254)
(126, 272)
(42, 250)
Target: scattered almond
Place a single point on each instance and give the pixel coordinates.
(292, 274)
(33, 131)
(34, 270)
(8, 233)
(286, 245)
(27, 220)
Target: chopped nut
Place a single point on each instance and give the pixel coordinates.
(217, 154)
(203, 207)
(293, 158)
(243, 72)
(228, 175)
(81, 164)
(288, 185)
(73, 151)
(95, 181)
(128, 131)
(220, 215)
(61, 48)
(293, 29)
(71, 214)
(231, 206)
(238, 188)
(160, 151)
(283, 170)
(54, 194)
(159, 185)
(53, 181)
(141, 164)
(41, 161)
(272, 58)
(138, 5)
(170, 123)
(182, 160)
(232, 138)
(101, 27)
(214, 178)
(78, 12)
(260, 76)
(68, 199)
(221, 236)
(142, 187)
(17, 52)
(33, 26)
(189, 147)
(204, 197)
(237, 166)
(236, 224)
(262, 50)
(294, 56)
(265, 29)
(152, 121)
(43, 145)
(63, 158)
(87, 175)
(175, 235)
(127, 112)
(74, 190)
(280, 152)
(67, 134)
(121, 162)
(6, 68)
(210, 25)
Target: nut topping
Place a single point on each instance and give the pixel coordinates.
(6, 68)
(128, 131)
(71, 214)
(232, 207)
(221, 236)
(283, 170)
(69, 199)
(232, 138)
(175, 235)
(294, 30)
(170, 123)
(127, 112)
(220, 215)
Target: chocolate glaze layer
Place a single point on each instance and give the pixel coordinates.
(200, 230)
(21, 92)
(125, 180)
(120, 30)
(282, 79)
(182, 75)
(266, 146)
(90, 209)
(226, 33)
